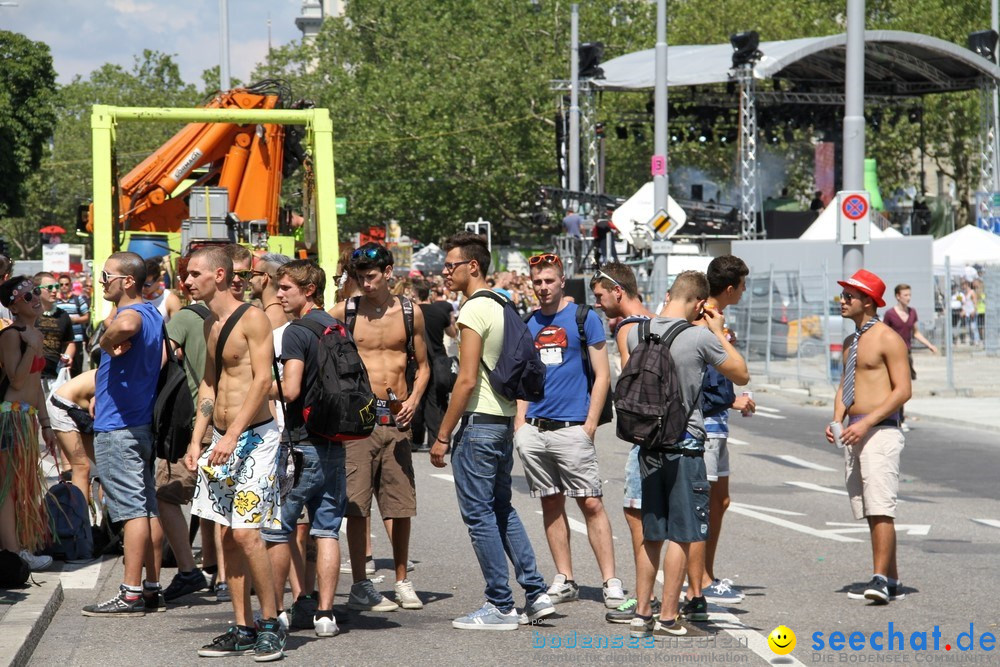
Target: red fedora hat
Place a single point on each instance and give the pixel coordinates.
(868, 283)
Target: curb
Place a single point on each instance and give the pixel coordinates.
(27, 620)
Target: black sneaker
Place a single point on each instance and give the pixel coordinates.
(857, 592)
(118, 607)
(679, 628)
(270, 642)
(154, 600)
(185, 583)
(696, 609)
(896, 592)
(303, 610)
(877, 591)
(233, 642)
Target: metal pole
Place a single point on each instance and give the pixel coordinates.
(798, 307)
(660, 180)
(224, 83)
(949, 363)
(574, 100)
(770, 309)
(826, 321)
(854, 125)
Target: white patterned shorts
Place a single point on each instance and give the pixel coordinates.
(249, 498)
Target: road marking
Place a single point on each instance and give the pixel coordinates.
(908, 528)
(80, 575)
(766, 415)
(802, 463)
(761, 408)
(574, 524)
(992, 523)
(791, 525)
(755, 641)
(772, 510)
(737, 441)
(445, 476)
(817, 487)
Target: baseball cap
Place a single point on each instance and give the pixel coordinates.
(868, 283)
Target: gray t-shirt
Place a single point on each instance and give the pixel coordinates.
(691, 351)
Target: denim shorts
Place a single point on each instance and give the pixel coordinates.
(633, 480)
(124, 460)
(675, 497)
(322, 490)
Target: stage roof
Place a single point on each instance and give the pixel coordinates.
(896, 64)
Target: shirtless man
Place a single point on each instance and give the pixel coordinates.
(617, 294)
(875, 385)
(237, 474)
(241, 259)
(381, 465)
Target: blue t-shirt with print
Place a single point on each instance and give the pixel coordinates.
(126, 385)
(558, 341)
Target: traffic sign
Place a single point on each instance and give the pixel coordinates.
(662, 224)
(853, 217)
(341, 204)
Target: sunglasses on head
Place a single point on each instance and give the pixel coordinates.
(601, 275)
(370, 253)
(544, 258)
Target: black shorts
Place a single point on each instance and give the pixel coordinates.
(674, 497)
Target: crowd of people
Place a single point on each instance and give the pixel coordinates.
(271, 485)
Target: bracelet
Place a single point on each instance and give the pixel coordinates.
(443, 442)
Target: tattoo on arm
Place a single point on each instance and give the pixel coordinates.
(207, 407)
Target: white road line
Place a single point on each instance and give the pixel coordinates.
(817, 487)
(754, 640)
(802, 463)
(791, 525)
(766, 415)
(737, 441)
(446, 477)
(992, 523)
(921, 529)
(80, 575)
(574, 524)
(761, 408)
(772, 510)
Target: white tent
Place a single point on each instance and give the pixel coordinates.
(825, 227)
(429, 259)
(968, 245)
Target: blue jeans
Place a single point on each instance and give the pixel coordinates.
(482, 460)
(124, 461)
(322, 489)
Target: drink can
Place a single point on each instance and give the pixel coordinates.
(748, 413)
(837, 429)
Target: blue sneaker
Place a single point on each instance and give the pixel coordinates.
(487, 617)
(540, 608)
(722, 592)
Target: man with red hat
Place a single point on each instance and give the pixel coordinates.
(873, 389)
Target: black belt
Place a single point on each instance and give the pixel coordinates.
(480, 418)
(543, 424)
(892, 423)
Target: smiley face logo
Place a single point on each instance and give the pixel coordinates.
(781, 640)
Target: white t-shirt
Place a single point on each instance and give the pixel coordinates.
(279, 414)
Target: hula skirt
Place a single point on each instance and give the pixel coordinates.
(21, 480)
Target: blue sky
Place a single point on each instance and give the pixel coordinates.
(85, 34)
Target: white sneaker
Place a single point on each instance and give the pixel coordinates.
(614, 593)
(345, 567)
(36, 563)
(325, 627)
(563, 590)
(406, 597)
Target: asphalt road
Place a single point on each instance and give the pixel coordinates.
(789, 542)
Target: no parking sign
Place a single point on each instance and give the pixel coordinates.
(853, 217)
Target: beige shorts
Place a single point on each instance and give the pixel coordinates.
(381, 465)
(872, 472)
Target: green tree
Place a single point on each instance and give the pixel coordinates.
(27, 87)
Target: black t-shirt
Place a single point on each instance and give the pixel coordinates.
(300, 343)
(437, 318)
(57, 333)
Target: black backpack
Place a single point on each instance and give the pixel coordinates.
(340, 405)
(648, 397)
(14, 571)
(519, 373)
(351, 317)
(173, 412)
(69, 518)
(582, 311)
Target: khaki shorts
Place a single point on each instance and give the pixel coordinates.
(381, 465)
(872, 472)
(174, 482)
(562, 461)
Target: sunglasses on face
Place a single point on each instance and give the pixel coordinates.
(108, 277)
(847, 297)
(601, 275)
(245, 274)
(546, 258)
(49, 288)
(451, 266)
(31, 293)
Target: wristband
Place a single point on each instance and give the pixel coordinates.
(443, 442)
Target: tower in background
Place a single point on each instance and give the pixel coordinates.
(311, 16)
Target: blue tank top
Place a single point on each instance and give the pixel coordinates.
(126, 385)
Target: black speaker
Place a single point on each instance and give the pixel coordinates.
(577, 288)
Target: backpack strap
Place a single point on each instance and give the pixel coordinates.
(490, 294)
(582, 311)
(528, 315)
(668, 338)
(351, 312)
(314, 326)
(199, 309)
(220, 346)
(411, 352)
